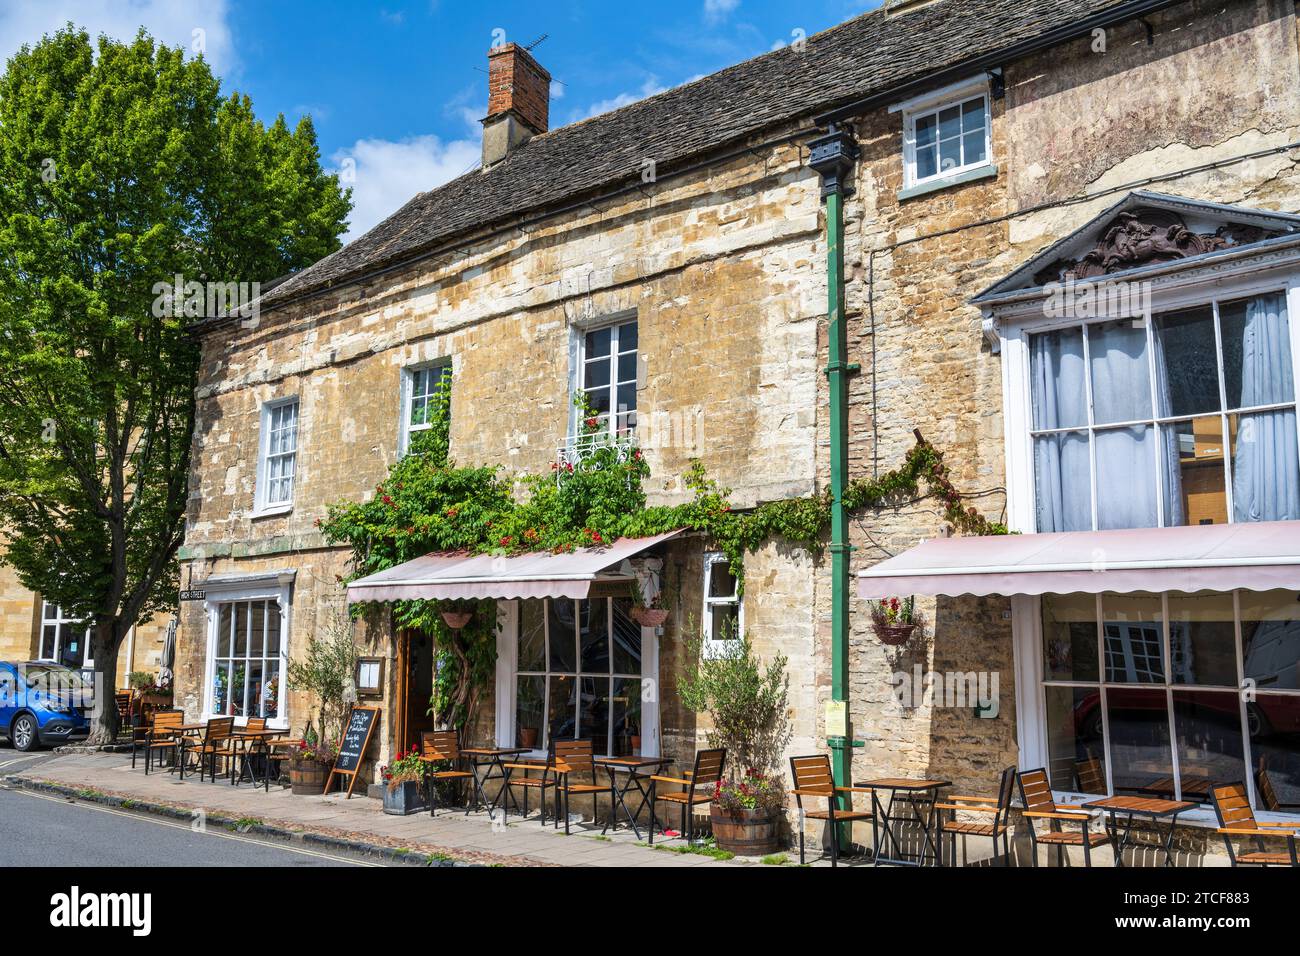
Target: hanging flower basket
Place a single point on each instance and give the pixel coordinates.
(457, 619)
(895, 635)
(649, 616)
(894, 620)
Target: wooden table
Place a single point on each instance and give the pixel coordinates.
(631, 764)
(490, 757)
(883, 834)
(1130, 808)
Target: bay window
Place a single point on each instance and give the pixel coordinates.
(247, 645)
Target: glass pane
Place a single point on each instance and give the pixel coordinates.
(1210, 750)
(627, 639)
(221, 689)
(257, 629)
(627, 398)
(626, 706)
(271, 694)
(627, 367)
(1063, 482)
(596, 374)
(598, 342)
(1075, 749)
(1070, 637)
(972, 114)
(593, 635)
(562, 709)
(529, 702)
(594, 716)
(949, 153)
(1256, 352)
(927, 161)
(1140, 759)
(1196, 490)
(1056, 379)
(973, 147)
(224, 622)
(241, 630)
(1133, 638)
(49, 638)
(1265, 466)
(925, 130)
(420, 411)
(1121, 378)
(725, 622)
(1187, 363)
(272, 628)
(1202, 639)
(256, 689)
(238, 687)
(1270, 639)
(722, 583)
(563, 635)
(1126, 478)
(949, 122)
(627, 337)
(1274, 724)
(72, 651)
(599, 400)
(532, 636)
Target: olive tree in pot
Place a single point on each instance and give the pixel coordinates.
(326, 671)
(745, 700)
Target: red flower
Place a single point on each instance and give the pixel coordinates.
(387, 500)
(505, 540)
(591, 422)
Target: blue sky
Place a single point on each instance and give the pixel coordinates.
(397, 88)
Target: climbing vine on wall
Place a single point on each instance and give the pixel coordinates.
(427, 503)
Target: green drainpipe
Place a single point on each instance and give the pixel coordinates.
(832, 157)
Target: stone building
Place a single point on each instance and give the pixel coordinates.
(670, 258)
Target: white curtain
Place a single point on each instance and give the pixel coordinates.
(1061, 463)
(1121, 391)
(1265, 473)
(1173, 487)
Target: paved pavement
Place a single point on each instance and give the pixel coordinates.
(475, 838)
(39, 830)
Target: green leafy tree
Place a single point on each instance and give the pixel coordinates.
(122, 166)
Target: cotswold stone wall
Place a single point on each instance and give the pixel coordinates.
(724, 275)
(20, 613)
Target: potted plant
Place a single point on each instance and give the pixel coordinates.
(457, 614)
(530, 702)
(310, 765)
(404, 791)
(147, 690)
(648, 612)
(745, 700)
(894, 620)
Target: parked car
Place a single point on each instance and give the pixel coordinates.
(43, 703)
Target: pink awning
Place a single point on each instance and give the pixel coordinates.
(1258, 557)
(459, 574)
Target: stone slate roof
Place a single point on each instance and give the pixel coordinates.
(867, 55)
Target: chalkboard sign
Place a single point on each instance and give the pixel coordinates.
(361, 724)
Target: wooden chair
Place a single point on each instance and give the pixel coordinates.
(441, 747)
(123, 700)
(707, 773)
(217, 743)
(1090, 775)
(1236, 819)
(812, 778)
(574, 758)
(1036, 794)
(1267, 795)
(998, 829)
(520, 777)
(162, 734)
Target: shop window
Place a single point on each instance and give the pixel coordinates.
(247, 659)
(1188, 418)
(64, 639)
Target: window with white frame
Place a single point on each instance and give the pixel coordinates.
(247, 659)
(1141, 694)
(722, 604)
(420, 388)
(279, 455)
(578, 674)
(64, 639)
(941, 141)
(1186, 417)
(607, 374)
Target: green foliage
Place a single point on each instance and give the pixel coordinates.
(121, 166)
(326, 670)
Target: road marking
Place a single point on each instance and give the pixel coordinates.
(205, 832)
(11, 762)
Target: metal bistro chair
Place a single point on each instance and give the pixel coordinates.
(707, 773)
(1236, 819)
(161, 734)
(999, 829)
(812, 778)
(574, 757)
(1036, 794)
(439, 747)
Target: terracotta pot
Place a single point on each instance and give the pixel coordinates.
(528, 737)
(307, 777)
(649, 616)
(457, 619)
(636, 743)
(894, 634)
(745, 832)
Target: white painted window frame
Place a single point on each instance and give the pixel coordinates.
(580, 358)
(717, 646)
(62, 624)
(261, 505)
(407, 399)
(276, 586)
(931, 104)
(507, 674)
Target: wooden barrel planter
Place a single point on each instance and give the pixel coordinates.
(307, 777)
(745, 832)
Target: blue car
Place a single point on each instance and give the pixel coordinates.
(43, 703)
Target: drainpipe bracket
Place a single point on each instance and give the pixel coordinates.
(844, 743)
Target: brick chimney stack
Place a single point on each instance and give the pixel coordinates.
(519, 101)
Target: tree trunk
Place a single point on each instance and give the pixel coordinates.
(104, 644)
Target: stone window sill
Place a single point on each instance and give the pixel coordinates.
(987, 171)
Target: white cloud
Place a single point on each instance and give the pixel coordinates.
(650, 87)
(187, 23)
(385, 174)
(718, 10)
